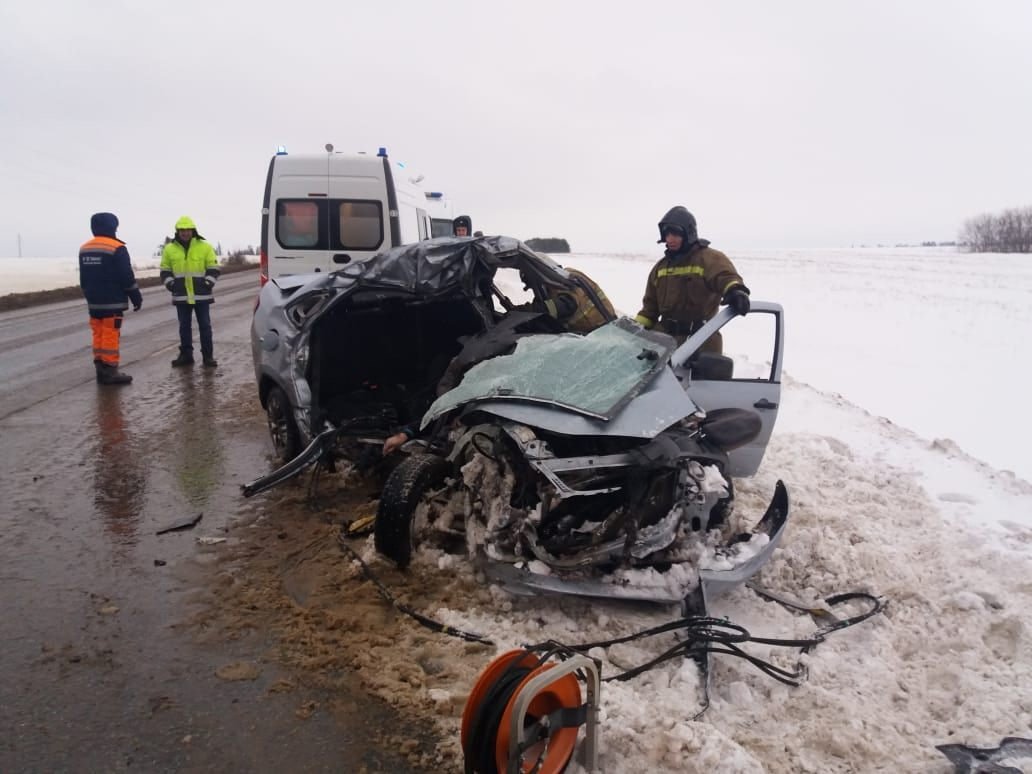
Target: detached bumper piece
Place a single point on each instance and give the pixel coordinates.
(308, 457)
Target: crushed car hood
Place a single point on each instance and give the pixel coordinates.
(598, 378)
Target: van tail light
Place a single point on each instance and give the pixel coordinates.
(263, 268)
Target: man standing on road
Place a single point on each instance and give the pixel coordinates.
(688, 284)
(108, 283)
(189, 270)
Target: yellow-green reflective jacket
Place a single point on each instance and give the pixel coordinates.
(189, 274)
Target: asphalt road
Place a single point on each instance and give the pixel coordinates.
(45, 350)
(100, 669)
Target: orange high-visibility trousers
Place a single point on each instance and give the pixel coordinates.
(106, 333)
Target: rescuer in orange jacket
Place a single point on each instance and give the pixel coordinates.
(108, 283)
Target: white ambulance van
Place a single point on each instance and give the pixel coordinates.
(322, 211)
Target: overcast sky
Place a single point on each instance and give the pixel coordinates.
(782, 124)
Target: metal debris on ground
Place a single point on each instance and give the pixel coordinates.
(177, 526)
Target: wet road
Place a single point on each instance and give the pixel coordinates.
(99, 669)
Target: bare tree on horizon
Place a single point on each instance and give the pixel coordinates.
(1008, 232)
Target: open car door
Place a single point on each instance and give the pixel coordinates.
(747, 376)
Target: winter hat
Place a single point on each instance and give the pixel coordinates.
(463, 220)
(104, 224)
(186, 222)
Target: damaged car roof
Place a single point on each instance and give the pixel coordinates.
(431, 267)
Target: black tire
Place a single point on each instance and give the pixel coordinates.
(404, 490)
(286, 438)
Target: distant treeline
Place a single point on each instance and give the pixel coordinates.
(548, 244)
(1008, 232)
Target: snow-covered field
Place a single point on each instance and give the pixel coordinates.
(900, 438)
(23, 275)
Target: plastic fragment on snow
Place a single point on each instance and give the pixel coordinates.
(987, 760)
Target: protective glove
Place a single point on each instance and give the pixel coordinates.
(168, 283)
(136, 307)
(738, 299)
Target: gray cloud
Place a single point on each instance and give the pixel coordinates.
(792, 124)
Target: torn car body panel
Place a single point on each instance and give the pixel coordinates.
(374, 339)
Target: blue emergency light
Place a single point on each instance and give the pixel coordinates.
(382, 152)
(281, 150)
(434, 194)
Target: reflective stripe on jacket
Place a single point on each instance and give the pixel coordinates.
(190, 273)
(106, 277)
(684, 290)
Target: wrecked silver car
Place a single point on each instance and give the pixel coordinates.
(344, 359)
(598, 464)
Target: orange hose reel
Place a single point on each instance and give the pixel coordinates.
(562, 693)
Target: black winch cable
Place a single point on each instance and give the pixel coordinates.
(430, 623)
(715, 635)
(700, 634)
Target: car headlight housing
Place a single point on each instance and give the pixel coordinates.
(300, 309)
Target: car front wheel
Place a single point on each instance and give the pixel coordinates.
(394, 533)
(286, 439)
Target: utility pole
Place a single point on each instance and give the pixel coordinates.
(19, 245)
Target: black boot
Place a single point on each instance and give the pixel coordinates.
(185, 358)
(210, 361)
(109, 374)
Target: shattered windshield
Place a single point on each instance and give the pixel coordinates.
(594, 374)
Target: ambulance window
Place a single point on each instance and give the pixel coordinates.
(297, 223)
(440, 227)
(359, 225)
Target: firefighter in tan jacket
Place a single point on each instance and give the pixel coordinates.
(575, 309)
(690, 281)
